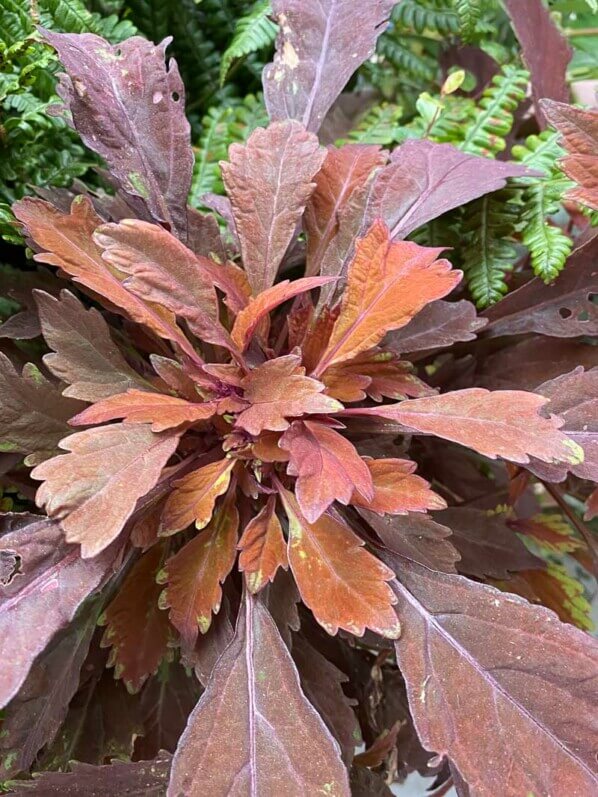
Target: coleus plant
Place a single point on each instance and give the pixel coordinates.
(228, 456)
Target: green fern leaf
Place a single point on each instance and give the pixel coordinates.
(380, 125)
(549, 246)
(489, 251)
(253, 32)
(405, 60)
(494, 120)
(421, 15)
(469, 12)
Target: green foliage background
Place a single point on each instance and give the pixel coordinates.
(221, 47)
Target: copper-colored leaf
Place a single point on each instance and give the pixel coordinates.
(129, 107)
(503, 423)
(93, 489)
(469, 651)
(248, 319)
(397, 490)
(574, 398)
(137, 406)
(33, 414)
(533, 23)
(263, 548)
(278, 390)
(592, 506)
(375, 373)
(334, 214)
(266, 448)
(380, 748)
(320, 44)
(84, 354)
(387, 285)
(424, 180)
(327, 466)
(44, 581)
(193, 575)
(269, 181)
(343, 585)
(136, 629)
(579, 128)
(66, 241)
(163, 271)
(194, 496)
(253, 731)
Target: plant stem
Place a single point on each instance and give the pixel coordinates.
(576, 522)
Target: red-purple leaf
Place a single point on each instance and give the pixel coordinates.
(278, 390)
(130, 109)
(322, 683)
(563, 309)
(32, 719)
(424, 180)
(327, 466)
(33, 414)
(263, 548)
(40, 593)
(437, 325)
(269, 181)
(579, 128)
(334, 214)
(387, 285)
(488, 547)
(397, 490)
(194, 575)
(574, 398)
(469, 651)
(166, 701)
(253, 731)
(84, 355)
(194, 496)
(416, 538)
(320, 44)
(135, 779)
(503, 423)
(533, 23)
(248, 319)
(343, 585)
(93, 489)
(137, 631)
(136, 406)
(163, 271)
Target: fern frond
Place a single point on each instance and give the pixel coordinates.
(469, 13)
(404, 59)
(421, 15)
(253, 32)
(494, 120)
(489, 251)
(549, 246)
(380, 125)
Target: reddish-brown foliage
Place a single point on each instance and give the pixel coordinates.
(248, 504)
